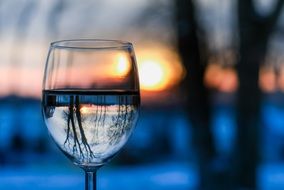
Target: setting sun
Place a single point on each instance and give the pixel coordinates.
(152, 75)
(159, 68)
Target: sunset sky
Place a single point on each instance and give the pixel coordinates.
(27, 31)
(27, 28)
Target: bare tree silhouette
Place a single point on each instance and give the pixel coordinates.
(255, 31)
(254, 34)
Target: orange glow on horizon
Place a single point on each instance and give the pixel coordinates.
(223, 79)
(159, 69)
(267, 80)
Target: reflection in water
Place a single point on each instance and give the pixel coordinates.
(90, 129)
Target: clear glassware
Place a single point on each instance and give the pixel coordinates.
(90, 100)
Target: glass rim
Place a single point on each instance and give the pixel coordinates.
(95, 44)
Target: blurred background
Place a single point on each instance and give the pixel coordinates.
(212, 81)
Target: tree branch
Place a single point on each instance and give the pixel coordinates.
(272, 19)
(247, 10)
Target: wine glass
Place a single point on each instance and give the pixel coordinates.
(90, 100)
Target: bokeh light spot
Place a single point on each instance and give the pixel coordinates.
(152, 75)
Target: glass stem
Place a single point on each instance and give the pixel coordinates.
(90, 180)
